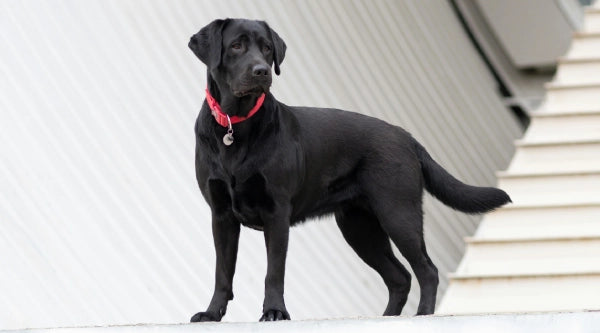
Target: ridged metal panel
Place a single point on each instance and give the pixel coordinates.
(101, 221)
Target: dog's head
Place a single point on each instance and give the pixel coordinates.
(239, 54)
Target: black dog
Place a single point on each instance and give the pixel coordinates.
(269, 166)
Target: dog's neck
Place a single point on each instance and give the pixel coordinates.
(231, 104)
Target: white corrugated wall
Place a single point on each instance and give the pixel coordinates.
(101, 221)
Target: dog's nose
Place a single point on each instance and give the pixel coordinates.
(260, 70)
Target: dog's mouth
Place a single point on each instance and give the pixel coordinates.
(250, 86)
(251, 91)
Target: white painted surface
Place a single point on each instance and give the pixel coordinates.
(515, 294)
(564, 127)
(101, 221)
(579, 322)
(535, 256)
(541, 222)
(592, 21)
(573, 98)
(566, 156)
(552, 189)
(585, 71)
(584, 46)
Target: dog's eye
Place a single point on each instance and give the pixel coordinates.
(266, 49)
(236, 46)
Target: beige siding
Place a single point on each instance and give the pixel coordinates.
(101, 221)
(541, 253)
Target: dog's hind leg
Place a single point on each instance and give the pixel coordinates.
(362, 231)
(403, 222)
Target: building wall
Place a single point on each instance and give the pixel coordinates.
(101, 221)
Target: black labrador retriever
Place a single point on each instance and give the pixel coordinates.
(269, 166)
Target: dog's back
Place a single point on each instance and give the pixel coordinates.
(348, 144)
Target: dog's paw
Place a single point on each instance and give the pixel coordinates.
(205, 316)
(273, 315)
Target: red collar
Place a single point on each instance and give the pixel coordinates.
(221, 117)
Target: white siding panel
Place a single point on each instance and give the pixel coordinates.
(101, 221)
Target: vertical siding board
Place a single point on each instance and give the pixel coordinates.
(471, 72)
(450, 129)
(135, 204)
(425, 119)
(432, 117)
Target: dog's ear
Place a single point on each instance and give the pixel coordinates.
(207, 43)
(279, 48)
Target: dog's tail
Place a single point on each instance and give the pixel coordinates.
(454, 193)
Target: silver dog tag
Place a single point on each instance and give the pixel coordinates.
(228, 139)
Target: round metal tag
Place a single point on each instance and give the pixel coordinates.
(228, 139)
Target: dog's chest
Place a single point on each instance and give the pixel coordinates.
(240, 184)
(248, 199)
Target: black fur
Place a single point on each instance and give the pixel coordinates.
(288, 164)
(454, 193)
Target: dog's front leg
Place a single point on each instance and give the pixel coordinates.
(276, 230)
(226, 234)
